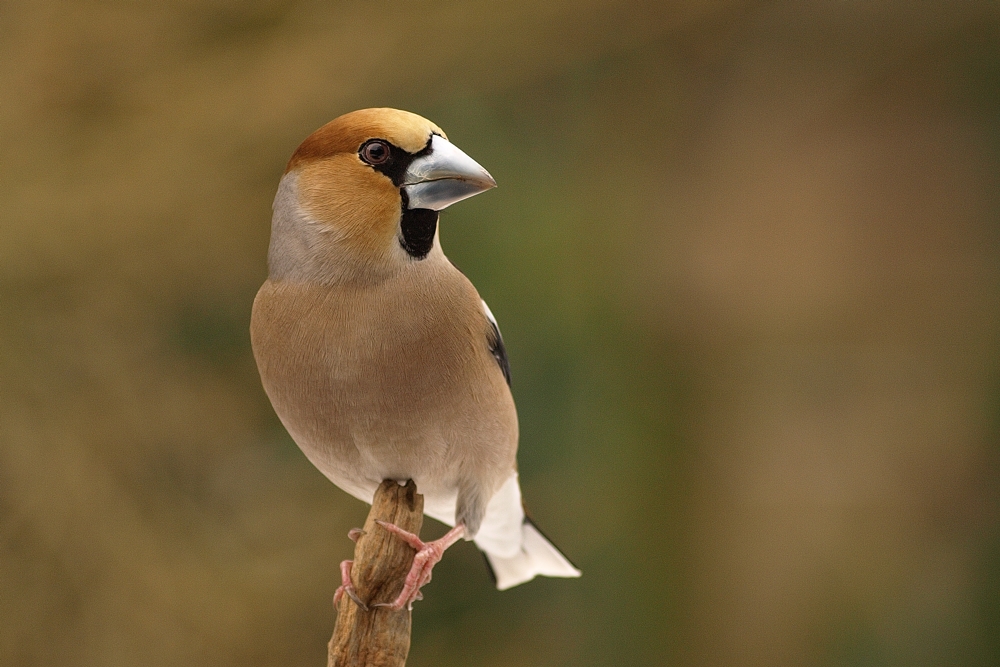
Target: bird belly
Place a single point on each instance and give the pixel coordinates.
(361, 434)
(389, 400)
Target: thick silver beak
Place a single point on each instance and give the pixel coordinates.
(444, 176)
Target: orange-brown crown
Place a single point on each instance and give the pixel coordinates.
(347, 133)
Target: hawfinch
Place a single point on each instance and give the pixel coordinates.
(378, 355)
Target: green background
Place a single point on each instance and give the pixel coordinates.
(744, 256)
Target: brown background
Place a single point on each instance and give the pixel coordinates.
(744, 256)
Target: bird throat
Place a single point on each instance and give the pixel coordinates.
(417, 229)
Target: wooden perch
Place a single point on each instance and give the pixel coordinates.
(379, 637)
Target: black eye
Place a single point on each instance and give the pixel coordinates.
(375, 152)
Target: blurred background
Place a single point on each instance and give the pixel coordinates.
(745, 256)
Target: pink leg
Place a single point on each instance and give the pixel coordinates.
(428, 555)
(346, 586)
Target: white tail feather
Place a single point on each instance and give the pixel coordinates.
(537, 556)
(517, 552)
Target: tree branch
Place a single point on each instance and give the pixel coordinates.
(379, 637)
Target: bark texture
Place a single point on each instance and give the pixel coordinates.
(379, 637)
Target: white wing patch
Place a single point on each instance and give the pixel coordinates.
(489, 315)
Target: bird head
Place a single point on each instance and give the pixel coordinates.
(360, 196)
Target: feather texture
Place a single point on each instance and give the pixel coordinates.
(370, 343)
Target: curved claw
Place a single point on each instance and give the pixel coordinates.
(347, 586)
(354, 596)
(393, 605)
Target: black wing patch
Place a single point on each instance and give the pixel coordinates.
(495, 342)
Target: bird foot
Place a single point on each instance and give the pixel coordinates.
(354, 534)
(347, 586)
(428, 555)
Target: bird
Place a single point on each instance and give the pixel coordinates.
(379, 356)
